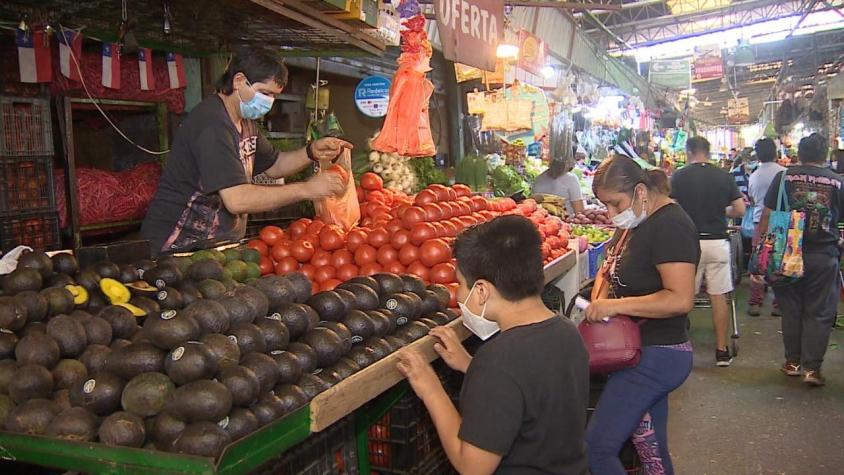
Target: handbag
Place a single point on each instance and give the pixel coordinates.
(779, 253)
(616, 344)
(747, 224)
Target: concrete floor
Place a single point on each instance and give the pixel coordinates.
(750, 418)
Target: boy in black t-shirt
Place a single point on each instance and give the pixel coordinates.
(524, 398)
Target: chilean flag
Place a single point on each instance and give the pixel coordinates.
(34, 56)
(70, 47)
(111, 65)
(176, 70)
(145, 66)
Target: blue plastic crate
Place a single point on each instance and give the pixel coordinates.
(596, 258)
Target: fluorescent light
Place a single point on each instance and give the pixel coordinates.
(547, 72)
(799, 126)
(505, 51)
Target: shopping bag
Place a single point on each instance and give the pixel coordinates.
(747, 225)
(342, 210)
(779, 254)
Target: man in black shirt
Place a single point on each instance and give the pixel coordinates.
(524, 398)
(206, 190)
(709, 195)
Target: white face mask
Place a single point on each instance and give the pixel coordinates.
(627, 219)
(477, 324)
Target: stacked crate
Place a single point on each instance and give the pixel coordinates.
(27, 191)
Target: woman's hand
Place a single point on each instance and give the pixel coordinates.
(601, 310)
(418, 372)
(450, 349)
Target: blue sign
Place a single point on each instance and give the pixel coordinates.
(372, 95)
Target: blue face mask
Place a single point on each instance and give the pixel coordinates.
(257, 107)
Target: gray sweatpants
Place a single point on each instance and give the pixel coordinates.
(809, 308)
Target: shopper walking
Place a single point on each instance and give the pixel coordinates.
(760, 182)
(809, 306)
(710, 195)
(652, 279)
(559, 180)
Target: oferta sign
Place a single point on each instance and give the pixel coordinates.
(470, 30)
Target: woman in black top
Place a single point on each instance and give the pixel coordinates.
(653, 279)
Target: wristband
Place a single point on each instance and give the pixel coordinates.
(310, 152)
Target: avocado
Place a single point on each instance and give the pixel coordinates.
(122, 429)
(32, 417)
(365, 298)
(249, 338)
(240, 423)
(268, 408)
(327, 345)
(238, 269)
(312, 385)
(430, 323)
(238, 310)
(349, 300)
(68, 372)
(7, 372)
(95, 358)
(342, 331)
(306, 356)
(37, 260)
(405, 306)
(243, 384)
(30, 382)
(363, 356)
(189, 362)
(134, 359)
(412, 331)
(163, 276)
(440, 318)
(145, 303)
(169, 298)
(279, 291)
(106, 270)
(276, 334)
(205, 269)
(412, 283)
(201, 400)
(380, 346)
(119, 344)
(140, 337)
(451, 315)
(388, 283)
(301, 286)
(39, 349)
(58, 280)
(250, 255)
(298, 318)
(256, 300)
(8, 341)
(146, 394)
(190, 294)
(264, 368)
(346, 367)
(97, 331)
(143, 266)
(360, 325)
(223, 348)
(211, 289)
(170, 329)
(328, 305)
(75, 423)
(13, 314)
(288, 365)
(22, 279)
(100, 393)
(430, 304)
(365, 280)
(69, 334)
(291, 396)
(80, 315)
(97, 301)
(123, 323)
(62, 398)
(88, 279)
(59, 300)
(232, 255)
(35, 304)
(163, 429)
(382, 323)
(209, 314)
(128, 274)
(65, 263)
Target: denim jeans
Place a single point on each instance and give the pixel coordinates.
(627, 396)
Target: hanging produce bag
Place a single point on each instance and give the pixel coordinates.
(342, 210)
(477, 102)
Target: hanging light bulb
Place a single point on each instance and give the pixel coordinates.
(168, 18)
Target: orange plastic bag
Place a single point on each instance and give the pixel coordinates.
(342, 210)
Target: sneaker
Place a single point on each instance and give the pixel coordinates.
(753, 311)
(775, 312)
(814, 378)
(791, 369)
(723, 358)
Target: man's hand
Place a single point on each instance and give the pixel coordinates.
(324, 185)
(418, 372)
(328, 148)
(600, 310)
(757, 279)
(450, 349)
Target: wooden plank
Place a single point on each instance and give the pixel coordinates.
(560, 266)
(332, 405)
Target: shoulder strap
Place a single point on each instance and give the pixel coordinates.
(602, 278)
(782, 197)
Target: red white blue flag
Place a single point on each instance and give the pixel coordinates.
(111, 65)
(70, 53)
(34, 56)
(177, 71)
(145, 67)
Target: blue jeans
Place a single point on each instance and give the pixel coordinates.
(628, 395)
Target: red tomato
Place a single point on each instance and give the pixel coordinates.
(440, 191)
(371, 181)
(394, 225)
(452, 289)
(347, 271)
(408, 253)
(412, 216)
(462, 190)
(314, 287)
(365, 254)
(386, 254)
(272, 235)
(324, 273)
(452, 195)
(302, 250)
(311, 238)
(418, 269)
(440, 229)
(479, 203)
(344, 174)
(421, 232)
(342, 257)
(425, 196)
(378, 196)
(321, 258)
(266, 265)
(443, 273)
(355, 238)
(361, 194)
(329, 284)
(449, 208)
(468, 221)
(259, 246)
(434, 252)
(371, 268)
(298, 228)
(451, 229)
(432, 212)
(331, 238)
(315, 227)
(465, 209)
(309, 270)
(395, 267)
(378, 237)
(399, 238)
(286, 266)
(280, 250)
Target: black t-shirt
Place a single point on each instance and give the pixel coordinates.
(667, 236)
(208, 155)
(818, 192)
(704, 191)
(525, 397)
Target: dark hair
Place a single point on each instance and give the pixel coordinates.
(622, 174)
(697, 145)
(557, 168)
(766, 150)
(257, 66)
(505, 251)
(812, 149)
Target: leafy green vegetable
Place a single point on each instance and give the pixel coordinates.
(506, 181)
(360, 165)
(427, 173)
(472, 171)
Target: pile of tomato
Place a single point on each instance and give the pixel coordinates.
(397, 233)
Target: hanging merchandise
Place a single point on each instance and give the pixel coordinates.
(111, 65)
(560, 135)
(34, 55)
(476, 102)
(176, 70)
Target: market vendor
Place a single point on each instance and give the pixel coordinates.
(559, 180)
(206, 189)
